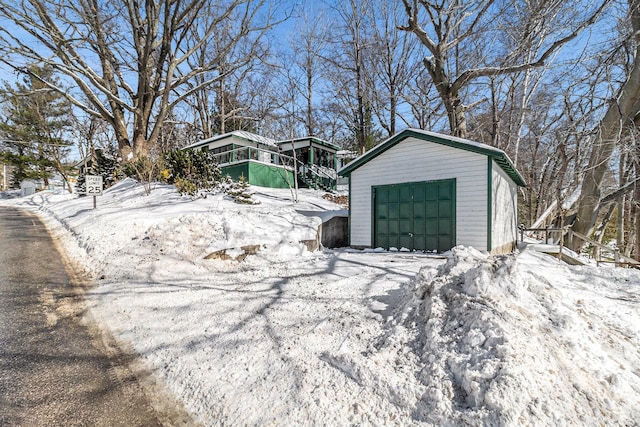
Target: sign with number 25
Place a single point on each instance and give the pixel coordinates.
(93, 184)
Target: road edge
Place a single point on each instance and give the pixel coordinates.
(127, 368)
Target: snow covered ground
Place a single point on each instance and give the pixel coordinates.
(346, 337)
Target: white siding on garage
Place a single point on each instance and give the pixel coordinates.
(505, 209)
(414, 160)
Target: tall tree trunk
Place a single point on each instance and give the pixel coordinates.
(602, 148)
(361, 132)
(450, 97)
(122, 135)
(621, 202)
(310, 124)
(636, 205)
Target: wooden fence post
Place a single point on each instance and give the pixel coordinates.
(561, 242)
(570, 238)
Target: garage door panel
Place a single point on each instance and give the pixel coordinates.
(418, 193)
(444, 243)
(431, 226)
(431, 243)
(405, 193)
(382, 227)
(394, 196)
(444, 226)
(382, 195)
(431, 209)
(445, 191)
(431, 193)
(394, 210)
(445, 208)
(405, 241)
(382, 211)
(406, 226)
(406, 210)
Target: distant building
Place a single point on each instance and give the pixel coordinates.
(29, 187)
(269, 163)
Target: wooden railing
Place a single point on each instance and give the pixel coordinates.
(596, 248)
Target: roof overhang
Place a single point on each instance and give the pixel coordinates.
(500, 157)
(312, 140)
(245, 136)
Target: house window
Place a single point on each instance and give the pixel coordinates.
(222, 149)
(223, 154)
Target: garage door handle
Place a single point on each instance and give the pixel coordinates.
(410, 234)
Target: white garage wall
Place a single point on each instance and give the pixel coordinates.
(505, 210)
(414, 160)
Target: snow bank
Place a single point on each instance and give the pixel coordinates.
(135, 236)
(497, 343)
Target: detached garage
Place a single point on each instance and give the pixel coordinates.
(425, 191)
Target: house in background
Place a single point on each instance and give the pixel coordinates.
(425, 191)
(318, 160)
(266, 162)
(30, 186)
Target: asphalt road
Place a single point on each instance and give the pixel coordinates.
(53, 369)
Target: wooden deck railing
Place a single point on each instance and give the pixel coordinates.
(595, 250)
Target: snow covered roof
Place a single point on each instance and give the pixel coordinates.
(248, 136)
(499, 156)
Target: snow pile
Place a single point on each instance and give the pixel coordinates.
(155, 231)
(345, 337)
(500, 344)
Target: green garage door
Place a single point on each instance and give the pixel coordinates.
(417, 216)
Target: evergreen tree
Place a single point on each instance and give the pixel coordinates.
(35, 121)
(191, 170)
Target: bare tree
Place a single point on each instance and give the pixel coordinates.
(620, 117)
(309, 47)
(391, 56)
(128, 59)
(455, 34)
(422, 100)
(349, 80)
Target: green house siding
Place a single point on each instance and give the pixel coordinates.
(417, 216)
(259, 174)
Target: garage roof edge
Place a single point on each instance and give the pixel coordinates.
(500, 157)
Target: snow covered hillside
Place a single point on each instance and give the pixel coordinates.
(344, 337)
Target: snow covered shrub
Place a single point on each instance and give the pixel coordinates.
(198, 167)
(144, 169)
(184, 186)
(240, 192)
